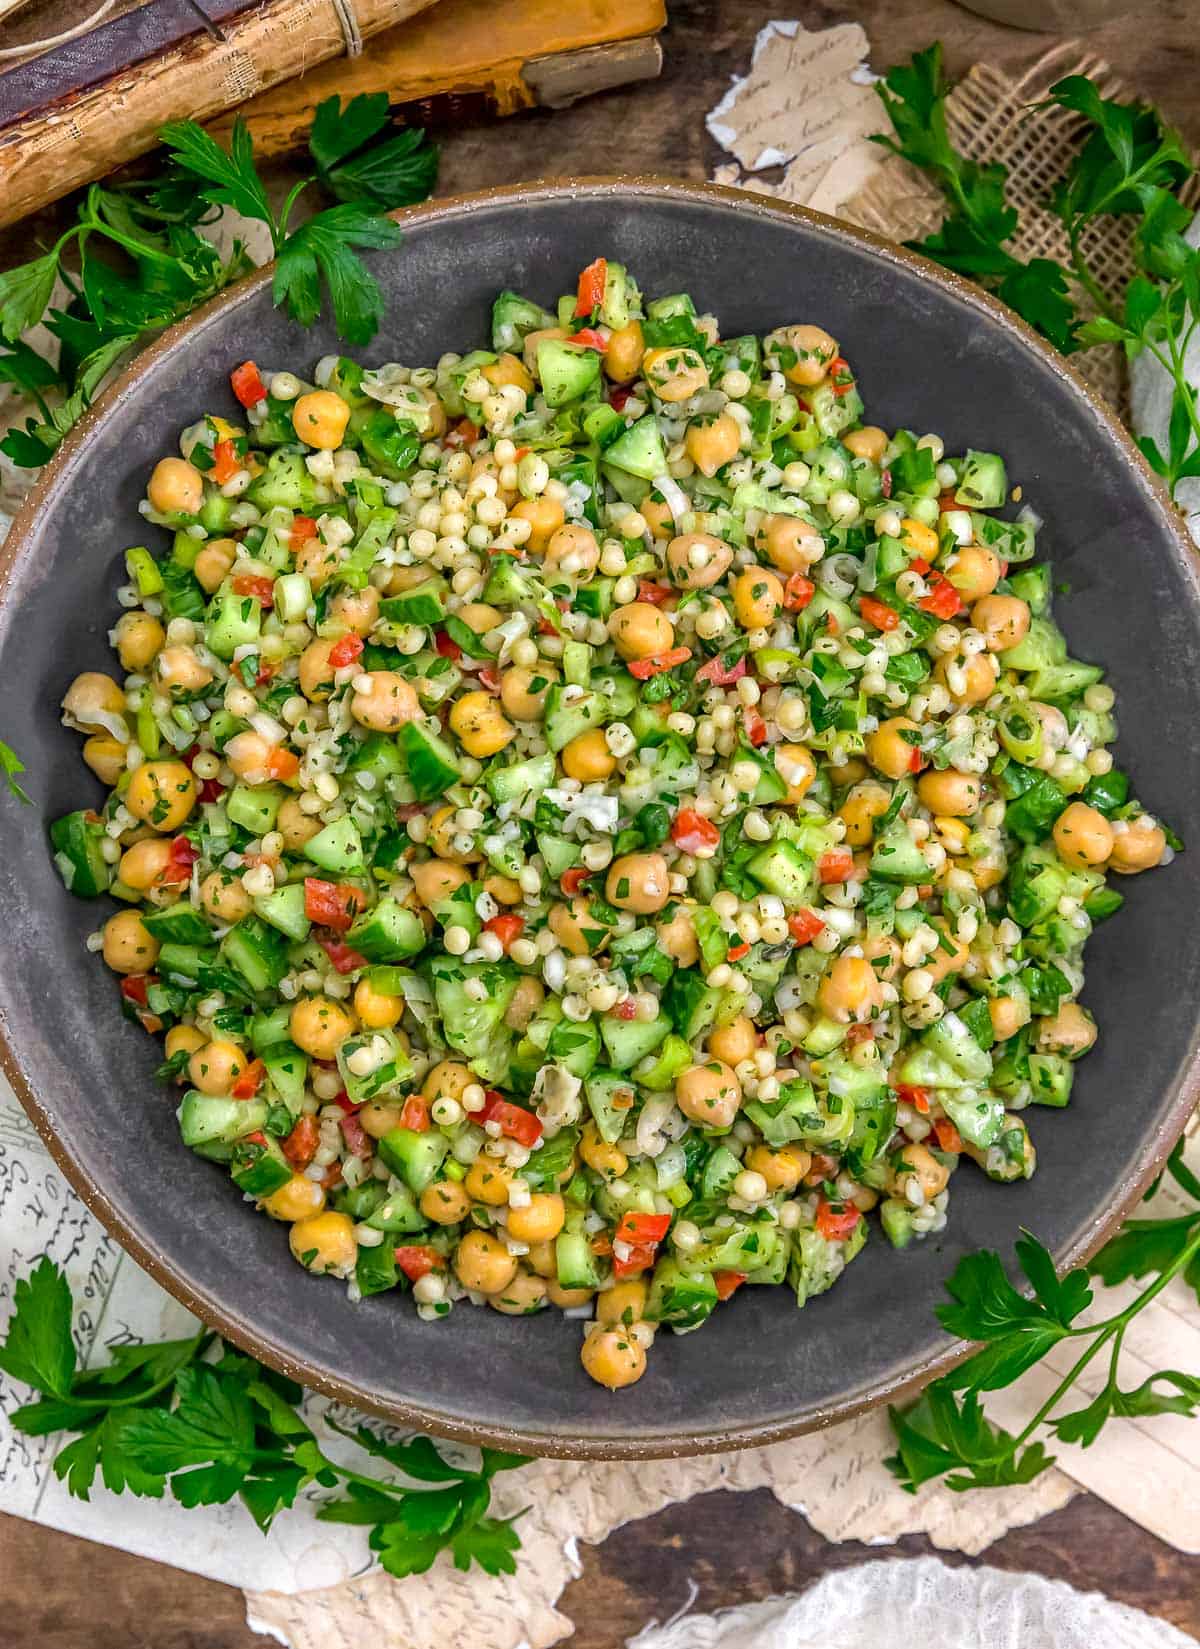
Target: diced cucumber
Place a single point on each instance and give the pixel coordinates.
(690, 1003)
(207, 1119)
(254, 806)
(789, 1117)
(568, 716)
(182, 924)
(783, 870)
(983, 484)
(816, 1263)
(414, 1157)
(628, 1040)
(284, 909)
(1050, 1079)
(575, 1046)
(566, 371)
(577, 663)
(337, 848)
(379, 755)
(513, 317)
(824, 1037)
(269, 1029)
(76, 839)
(1062, 681)
(897, 858)
(398, 1212)
(432, 764)
(1032, 584)
(559, 853)
(375, 1269)
(952, 1040)
(287, 1072)
(423, 605)
(978, 1117)
(520, 779)
(259, 1169)
(658, 1071)
(285, 481)
(388, 933)
(255, 951)
(233, 621)
(684, 1299)
(575, 1262)
(720, 1171)
(1042, 645)
(610, 1099)
(393, 1065)
(896, 1218)
(639, 450)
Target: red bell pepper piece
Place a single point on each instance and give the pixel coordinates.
(247, 384)
(300, 1147)
(835, 1223)
(798, 592)
(345, 1103)
(303, 528)
(592, 281)
(943, 600)
(692, 832)
(626, 1008)
(728, 1282)
(344, 958)
(836, 866)
(636, 1228)
(445, 648)
(756, 727)
(515, 1123)
(878, 613)
(644, 668)
(489, 677)
(225, 463)
(414, 1114)
(463, 434)
(804, 926)
(657, 595)
(358, 1141)
(417, 1261)
(283, 764)
(736, 952)
(345, 651)
(331, 904)
(250, 1081)
(948, 1136)
(715, 672)
(572, 880)
(588, 338)
(507, 927)
(262, 589)
(179, 865)
(618, 395)
(133, 987)
(841, 379)
(913, 1095)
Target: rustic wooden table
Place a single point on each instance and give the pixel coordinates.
(63, 1593)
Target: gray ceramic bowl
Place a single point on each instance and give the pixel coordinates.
(931, 353)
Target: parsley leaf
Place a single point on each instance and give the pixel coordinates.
(10, 766)
(320, 250)
(396, 172)
(38, 1349)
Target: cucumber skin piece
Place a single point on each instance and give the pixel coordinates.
(337, 848)
(207, 1119)
(432, 767)
(414, 1158)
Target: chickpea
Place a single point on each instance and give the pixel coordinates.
(1083, 836)
(545, 516)
(712, 443)
(507, 369)
(813, 348)
(216, 1067)
(974, 571)
(479, 724)
(355, 610)
(387, 702)
(734, 1042)
(677, 937)
(520, 698)
(483, 1264)
(639, 882)
(889, 752)
(790, 542)
(796, 767)
(623, 356)
(88, 694)
(449, 1079)
(176, 487)
(213, 562)
(918, 1163)
(183, 1038)
(709, 1094)
(656, 513)
(295, 826)
(376, 1010)
(622, 1304)
(955, 795)
(675, 373)
(945, 961)
(128, 947)
(1071, 1031)
(567, 1298)
(883, 953)
(540, 1220)
(783, 1170)
(181, 672)
(488, 1179)
(406, 578)
(588, 758)
(437, 879)
(248, 754)
(1003, 621)
(868, 442)
(224, 897)
(525, 1294)
(641, 630)
(529, 348)
(865, 803)
(757, 598)
(599, 1155)
(543, 1258)
(613, 1358)
(920, 540)
(105, 756)
(320, 418)
(526, 1000)
(574, 544)
(162, 794)
(979, 676)
(442, 832)
(325, 1243)
(445, 1202)
(319, 1026)
(843, 774)
(481, 616)
(317, 560)
(572, 924)
(849, 991)
(296, 1200)
(1141, 847)
(379, 1119)
(138, 637)
(503, 889)
(315, 668)
(696, 560)
(1008, 1014)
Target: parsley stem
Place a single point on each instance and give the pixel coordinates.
(280, 228)
(379, 1484)
(1084, 274)
(199, 1344)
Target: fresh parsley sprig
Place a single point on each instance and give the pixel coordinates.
(1130, 164)
(946, 1433)
(135, 260)
(212, 1425)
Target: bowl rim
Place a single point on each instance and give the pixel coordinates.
(239, 1331)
